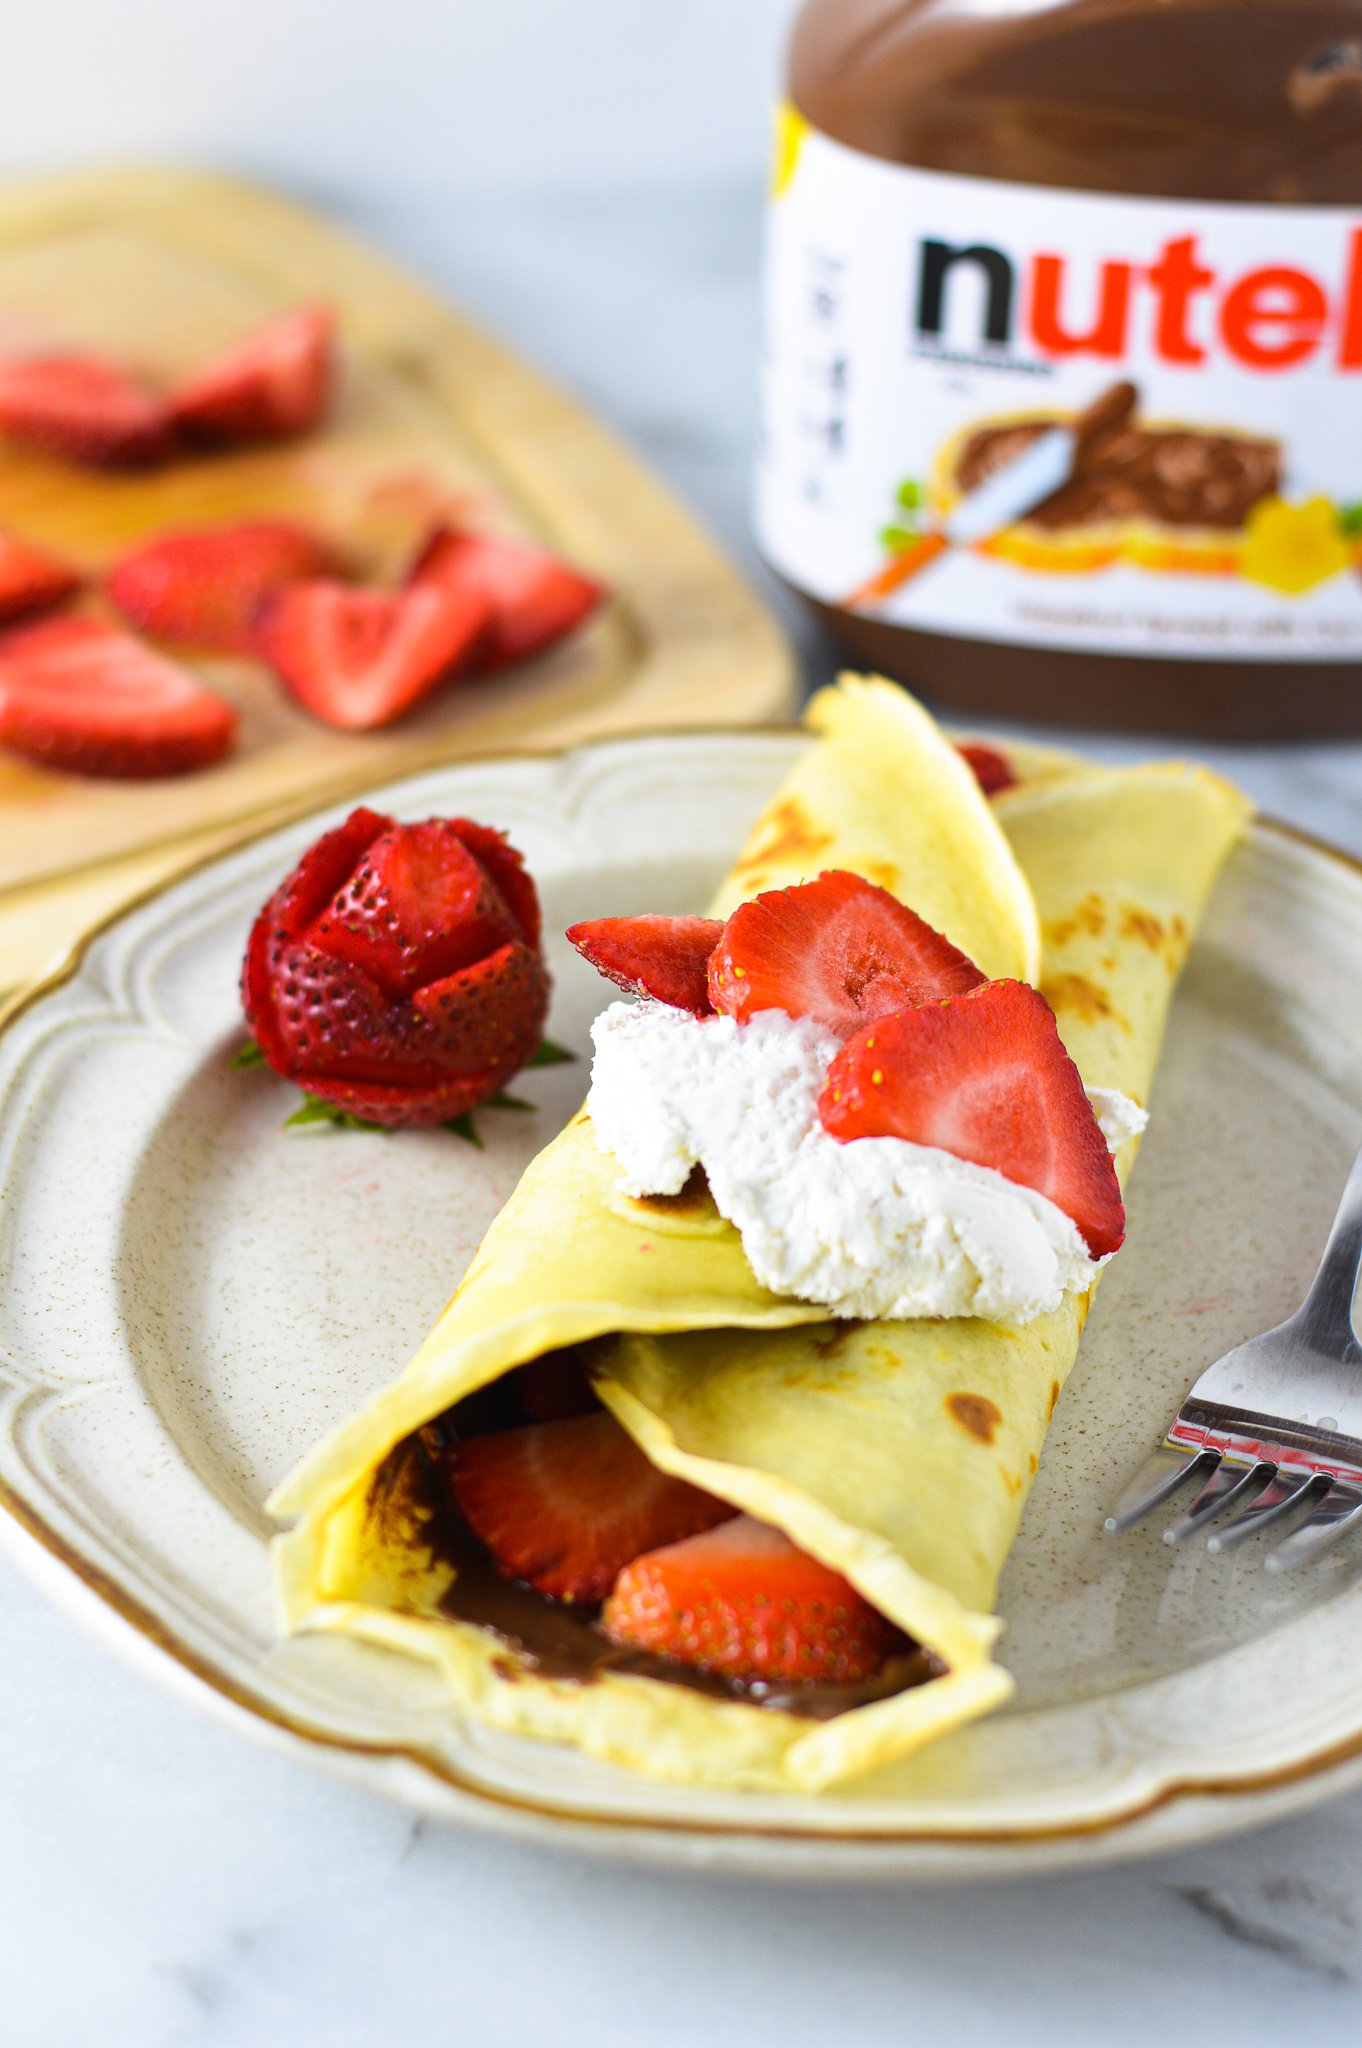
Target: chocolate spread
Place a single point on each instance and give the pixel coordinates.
(554, 1639)
(1231, 109)
(1164, 476)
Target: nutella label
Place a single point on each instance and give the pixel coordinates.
(1060, 418)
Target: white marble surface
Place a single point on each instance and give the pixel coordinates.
(164, 1882)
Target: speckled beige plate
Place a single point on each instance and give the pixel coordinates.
(192, 1295)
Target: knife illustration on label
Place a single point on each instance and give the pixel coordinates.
(1003, 498)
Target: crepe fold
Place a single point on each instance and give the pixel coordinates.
(899, 1453)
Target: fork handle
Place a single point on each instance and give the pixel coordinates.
(1325, 1317)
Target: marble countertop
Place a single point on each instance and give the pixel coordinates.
(165, 1882)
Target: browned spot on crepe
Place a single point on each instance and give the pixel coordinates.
(1075, 993)
(788, 835)
(1144, 926)
(835, 1345)
(1089, 917)
(1054, 1395)
(884, 872)
(976, 1414)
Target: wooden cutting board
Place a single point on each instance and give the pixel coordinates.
(162, 267)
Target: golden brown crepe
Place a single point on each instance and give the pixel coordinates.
(900, 1453)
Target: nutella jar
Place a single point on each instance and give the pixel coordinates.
(1062, 387)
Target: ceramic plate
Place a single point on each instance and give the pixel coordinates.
(192, 1295)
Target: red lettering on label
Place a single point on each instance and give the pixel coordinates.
(1273, 318)
(1106, 336)
(1176, 277)
(1350, 348)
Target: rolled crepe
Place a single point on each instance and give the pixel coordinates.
(898, 1453)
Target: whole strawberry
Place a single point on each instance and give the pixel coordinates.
(397, 973)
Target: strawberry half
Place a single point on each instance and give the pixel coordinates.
(744, 1602)
(83, 409)
(838, 949)
(204, 588)
(272, 385)
(992, 770)
(663, 957)
(532, 597)
(30, 581)
(81, 696)
(987, 1078)
(566, 1505)
(360, 658)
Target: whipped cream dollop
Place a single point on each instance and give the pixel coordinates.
(875, 1228)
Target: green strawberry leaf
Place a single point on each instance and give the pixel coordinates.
(909, 494)
(1350, 520)
(551, 1055)
(465, 1128)
(501, 1100)
(896, 538)
(247, 1055)
(313, 1110)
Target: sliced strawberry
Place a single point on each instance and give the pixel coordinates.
(663, 957)
(533, 597)
(83, 409)
(992, 770)
(743, 1601)
(565, 1505)
(203, 588)
(84, 697)
(417, 907)
(838, 949)
(289, 914)
(270, 386)
(360, 658)
(987, 1078)
(506, 865)
(30, 581)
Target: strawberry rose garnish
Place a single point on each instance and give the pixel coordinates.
(397, 973)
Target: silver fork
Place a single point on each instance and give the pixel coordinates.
(1274, 1426)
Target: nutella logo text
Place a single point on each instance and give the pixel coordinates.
(1276, 317)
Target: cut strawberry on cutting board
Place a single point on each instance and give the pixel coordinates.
(30, 579)
(360, 658)
(204, 589)
(533, 597)
(83, 409)
(273, 384)
(84, 697)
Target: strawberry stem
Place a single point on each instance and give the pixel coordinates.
(247, 1055)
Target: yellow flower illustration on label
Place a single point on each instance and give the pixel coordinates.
(1293, 548)
(791, 128)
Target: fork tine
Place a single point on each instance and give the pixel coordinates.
(1288, 1490)
(1336, 1513)
(1157, 1481)
(1228, 1486)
